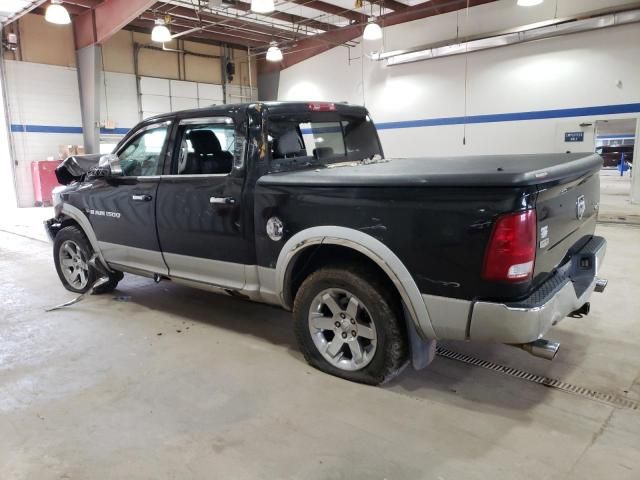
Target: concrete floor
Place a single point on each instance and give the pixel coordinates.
(173, 383)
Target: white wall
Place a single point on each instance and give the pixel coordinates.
(44, 95)
(7, 187)
(573, 71)
(48, 96)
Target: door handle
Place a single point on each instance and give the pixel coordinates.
(141, 197)
(222, 200)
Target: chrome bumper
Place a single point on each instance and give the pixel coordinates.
(529, 320)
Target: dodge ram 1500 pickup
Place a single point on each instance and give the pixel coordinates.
(294, 204)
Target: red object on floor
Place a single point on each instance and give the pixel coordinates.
(44, 178)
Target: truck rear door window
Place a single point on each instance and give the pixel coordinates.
(300, 140)
(206, 148)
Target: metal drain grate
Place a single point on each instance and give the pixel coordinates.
(613, 400)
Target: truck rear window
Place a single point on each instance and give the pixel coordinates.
(297, 141)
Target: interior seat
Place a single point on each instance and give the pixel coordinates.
(289, 144)
(208, 153)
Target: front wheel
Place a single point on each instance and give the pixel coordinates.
(71, 254)
(349, 325)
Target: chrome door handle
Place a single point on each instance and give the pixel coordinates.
(141, 198)
(222, 200)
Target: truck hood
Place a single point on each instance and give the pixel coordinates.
(73, 168)
(480, 170)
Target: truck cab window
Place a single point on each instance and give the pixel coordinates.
(297, 141)
(141, 157)
(206, 149)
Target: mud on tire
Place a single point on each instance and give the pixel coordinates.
(379, 311)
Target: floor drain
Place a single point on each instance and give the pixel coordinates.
(613, 400)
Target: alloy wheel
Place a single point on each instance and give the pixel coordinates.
(73, 263)
(342, 329)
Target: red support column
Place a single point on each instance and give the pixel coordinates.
(100, 23)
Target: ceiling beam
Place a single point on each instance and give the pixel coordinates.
(108, 17)
(309, 47)
(83, 3)
(72, 9)
(392, 5)
(332, 9)
(15, 16)
(221, 21)
(285, 17)
(138, 27)
(242, 39)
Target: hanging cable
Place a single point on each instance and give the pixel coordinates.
(466, 74)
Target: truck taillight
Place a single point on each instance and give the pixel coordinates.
(511, 251)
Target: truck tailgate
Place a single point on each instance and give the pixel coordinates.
(567, 211)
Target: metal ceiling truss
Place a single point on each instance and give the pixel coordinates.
(316, 25)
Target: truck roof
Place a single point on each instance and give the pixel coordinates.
(272, 107)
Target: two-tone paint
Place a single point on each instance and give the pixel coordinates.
(426, 227)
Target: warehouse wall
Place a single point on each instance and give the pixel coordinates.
(43, 94)
(7, 187)
(574, 71)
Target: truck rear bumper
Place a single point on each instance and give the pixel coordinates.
(528, 320)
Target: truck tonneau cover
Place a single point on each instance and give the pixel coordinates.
(479, 170)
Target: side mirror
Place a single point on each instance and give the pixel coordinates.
(109, 165)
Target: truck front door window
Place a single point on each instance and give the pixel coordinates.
(141, 157)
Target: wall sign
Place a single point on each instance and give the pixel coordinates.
(574, 136)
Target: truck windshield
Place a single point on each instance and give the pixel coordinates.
(298, 141)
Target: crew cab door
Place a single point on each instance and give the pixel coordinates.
(199, 210)
(121, 209)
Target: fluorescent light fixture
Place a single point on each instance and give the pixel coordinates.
(372, 31)
(529, 3)
(57, 14)
(262, 6)
(160, 32)
(522, 34)
(274, 54)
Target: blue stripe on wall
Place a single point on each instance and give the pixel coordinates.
(427, 122)
(514, 117)
(44, 129)
(114, 131)
(17, 128)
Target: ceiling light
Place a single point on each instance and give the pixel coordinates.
(160, 32)
(262, 6)
(372, 31)
(529, 3)
(57, 14)
(274, 54)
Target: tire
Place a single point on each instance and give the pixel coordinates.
(375, 350)
(71, 254)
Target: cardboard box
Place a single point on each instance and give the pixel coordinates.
(68, 150)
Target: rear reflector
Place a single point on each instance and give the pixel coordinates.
(511, 251)
(322, 107)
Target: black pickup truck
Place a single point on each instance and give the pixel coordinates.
(294, 204)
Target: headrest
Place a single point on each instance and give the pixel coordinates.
(322, 152)
(204, 142)
(288, 143)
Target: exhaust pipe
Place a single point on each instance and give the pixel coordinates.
(601, 284)
(542, 348)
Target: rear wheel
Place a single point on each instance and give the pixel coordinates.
(71, 254)
(349, 325)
